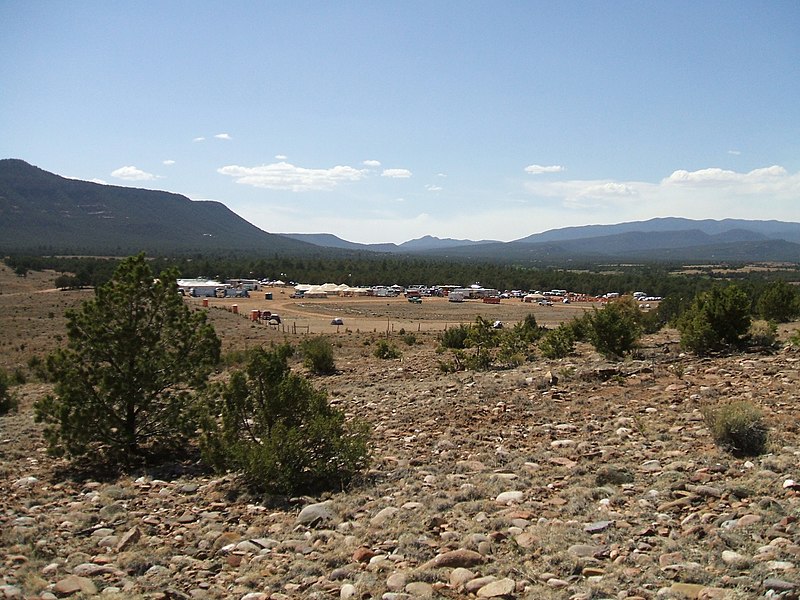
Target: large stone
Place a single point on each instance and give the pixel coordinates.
(455, 558)
(779, 585)
(586, 550)
(396, 582)
(419, 589)
(474, 585)
(460, 576)
(128, 539)
(383, 515)
(501, 587)
(316, 514)
(363, 554)
(597, 526)
(695, 591)
(94, 570)
(72, 584)
(512, 496)
(734, 559)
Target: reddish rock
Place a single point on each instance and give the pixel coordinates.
(455, 558)
(363, 554)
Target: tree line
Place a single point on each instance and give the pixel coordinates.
(368, 270)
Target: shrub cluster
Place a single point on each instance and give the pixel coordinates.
(386, 350)
(131, 386)
(318, 355)
(779, 302)
(558, 342)
(615, 329)
(716, 319)
(273, 426)
(8, 401)
(454, 337)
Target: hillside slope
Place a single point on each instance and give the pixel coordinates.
(41, 211)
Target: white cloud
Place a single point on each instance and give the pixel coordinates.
(712, 193)
(169, 162)
(372, 163)
(286, 176)
(734, 152)
(715, 176)
(608, 189)
(281, 157)
(433, 188)
(539, 169)
(223, 136)
(131, 173)
(199, 139)
(396, 173)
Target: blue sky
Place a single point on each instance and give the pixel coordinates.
(387, 121)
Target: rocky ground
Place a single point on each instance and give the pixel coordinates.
(576, 478)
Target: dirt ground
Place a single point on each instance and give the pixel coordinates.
(379, 314)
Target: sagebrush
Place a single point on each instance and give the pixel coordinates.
(738, 427)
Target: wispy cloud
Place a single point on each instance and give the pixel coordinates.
(734, 152)
(131, 173)
(281, 157)
(396, 173)
(199, 139)
(223, 136)
(433, 188)
(169, 162)
(372, 163)
(286, 176)
(539, 169)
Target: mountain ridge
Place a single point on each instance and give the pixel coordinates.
(39, 209)
(44, 212)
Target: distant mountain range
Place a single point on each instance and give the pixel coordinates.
(44, 213)
(662, 239)
(422, 244)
